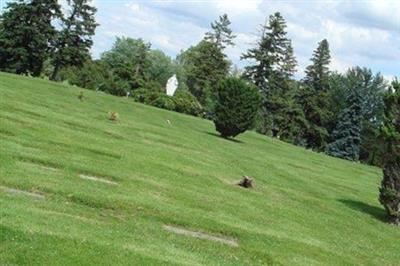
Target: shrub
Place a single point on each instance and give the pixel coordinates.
(236, 106)
(163, 101)
(186, 103)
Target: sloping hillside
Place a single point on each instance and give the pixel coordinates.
(79, 189)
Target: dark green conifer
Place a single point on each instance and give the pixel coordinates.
(236, 107)
(347, 134)
(390, 186)
(74, 39)
(25, 34)
(222, 34)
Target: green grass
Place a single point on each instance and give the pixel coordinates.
(306, 208)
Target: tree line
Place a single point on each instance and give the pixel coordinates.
(352, 115)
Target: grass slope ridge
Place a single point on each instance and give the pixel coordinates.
(306, 208)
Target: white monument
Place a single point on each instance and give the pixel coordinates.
(172, 85)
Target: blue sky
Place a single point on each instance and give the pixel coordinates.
(360, 32)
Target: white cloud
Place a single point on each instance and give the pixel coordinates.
(362, 33)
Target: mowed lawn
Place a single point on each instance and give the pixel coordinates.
(79, 189)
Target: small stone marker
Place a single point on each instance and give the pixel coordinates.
(98, 179)
(22, 192)
(181, 231)
(246, 182)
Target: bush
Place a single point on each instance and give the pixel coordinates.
(186, 103)
(236, 107)
(163, 101)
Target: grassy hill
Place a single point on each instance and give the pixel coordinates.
(78, 189)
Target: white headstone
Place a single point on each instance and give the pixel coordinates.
(172, 85)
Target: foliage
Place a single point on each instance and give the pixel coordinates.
(315, 98)
(347, 134)
(74, 39)
(25, 33)
(186, 103)
(272, 57)
(236, 108)
(222, 34)
(204, 65)
(390, 186)
(317, 74)
(160, 68)
(273, 64)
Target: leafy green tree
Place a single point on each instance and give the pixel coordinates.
(74, 39)
(25, 34)
(221, 33)
(128, 60)
(347, 134)
(236, 108)
(390, 186)
(204, 65)
(160, 68)
(94, 75)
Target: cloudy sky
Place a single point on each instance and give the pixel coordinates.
(360, 32)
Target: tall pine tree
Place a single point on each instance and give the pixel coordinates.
(390, 187)
(317, 74)
(74, 39)
(221, 33)
(315, 98)
(273, 64)
(347, 134)
(25, 34)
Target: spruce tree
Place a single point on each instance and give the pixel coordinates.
(317, 74)
(347, 134)
(273, 66)
(222, 34)
(314, 97)
(273, 56)
(390, 187)
(204, 66)
(74, 39)
(25, 34)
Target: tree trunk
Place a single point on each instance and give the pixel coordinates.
(55, 72)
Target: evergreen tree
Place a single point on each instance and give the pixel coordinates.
(390, 187)
(25, 34)
(204, 65)
(74, 39)
(317, 74)
(236, 107)
(222, 34)
(315, 98)
(273, 65)
(347, 134)
(273, 56)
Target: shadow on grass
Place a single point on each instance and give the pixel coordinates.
(219, 136)
(376, 212)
